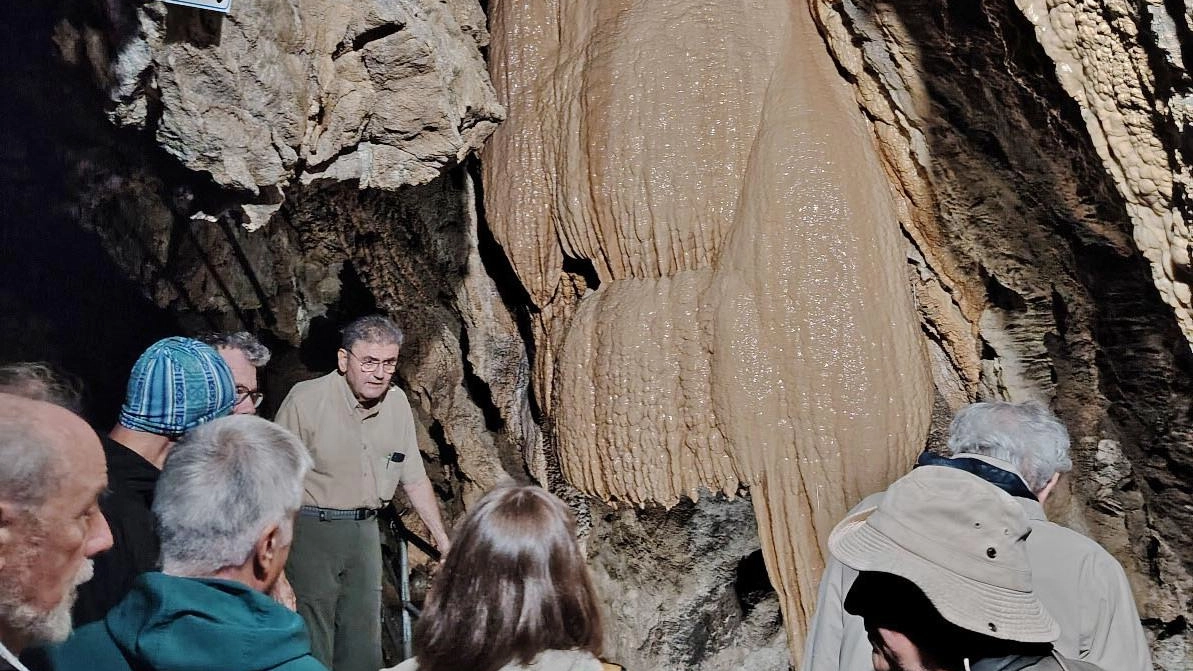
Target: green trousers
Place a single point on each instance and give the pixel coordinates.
(335, 568)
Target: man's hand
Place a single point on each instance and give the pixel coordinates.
(422, 497)
(283, 593)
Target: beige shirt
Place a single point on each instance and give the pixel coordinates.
(1081, 585)
(361, 456)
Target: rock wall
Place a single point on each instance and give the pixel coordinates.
(1036, 262)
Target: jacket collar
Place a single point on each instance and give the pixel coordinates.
(1003, 478)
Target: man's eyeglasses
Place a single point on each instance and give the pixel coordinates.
(369, 364)
(242, 393)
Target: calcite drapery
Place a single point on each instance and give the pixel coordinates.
(752, 323)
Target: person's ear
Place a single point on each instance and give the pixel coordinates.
(342, 360)
(1043, 494)
(267, 555)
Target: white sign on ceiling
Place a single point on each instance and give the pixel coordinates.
(214, 5)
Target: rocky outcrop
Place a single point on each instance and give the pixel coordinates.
(710, 606)
(1037, 184)
(284, 92)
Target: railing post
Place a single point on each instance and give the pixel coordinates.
(404, 594)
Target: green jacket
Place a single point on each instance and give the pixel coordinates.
(167, 623)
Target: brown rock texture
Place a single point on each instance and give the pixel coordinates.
(281, 92)
(747, 319)
(1036, 152)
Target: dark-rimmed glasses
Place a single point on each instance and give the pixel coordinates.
(243, 393)
(369, 364)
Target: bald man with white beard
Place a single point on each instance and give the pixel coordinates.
(52, 472)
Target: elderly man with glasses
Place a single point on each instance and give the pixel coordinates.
(360, 432)
(245, 355)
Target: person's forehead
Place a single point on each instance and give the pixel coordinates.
(375, 350)
(233, 356)
(80, 467)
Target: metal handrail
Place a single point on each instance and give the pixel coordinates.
(401, 579)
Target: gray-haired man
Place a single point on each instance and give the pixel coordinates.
(361, 434)
(245, 355)
(225, 506)
(946, 584)
(1021, 448)
(51, 475)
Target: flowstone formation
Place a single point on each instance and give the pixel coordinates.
(746, 319)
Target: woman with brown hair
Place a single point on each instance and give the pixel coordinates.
(514, 593)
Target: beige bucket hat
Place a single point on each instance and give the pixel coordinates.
(960, 540)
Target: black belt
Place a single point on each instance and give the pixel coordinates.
(328, 514)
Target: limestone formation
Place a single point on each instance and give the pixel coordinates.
(281, 92)
(752, 323)
(1039, 270)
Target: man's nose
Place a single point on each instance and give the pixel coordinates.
(99, 536)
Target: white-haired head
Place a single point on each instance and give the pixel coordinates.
(1026, 435)
(256, 353)
(223, 485)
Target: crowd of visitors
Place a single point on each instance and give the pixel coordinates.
(196, 536)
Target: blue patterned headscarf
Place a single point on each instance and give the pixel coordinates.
(176, 385)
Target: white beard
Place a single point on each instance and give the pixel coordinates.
(39, 628)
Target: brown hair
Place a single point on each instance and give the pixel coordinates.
(514, 585)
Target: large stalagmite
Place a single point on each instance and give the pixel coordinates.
(751, 322)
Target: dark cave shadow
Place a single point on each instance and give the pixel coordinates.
(199, 27)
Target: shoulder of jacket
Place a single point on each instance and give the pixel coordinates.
(91, 643)
(1091, 552)
(308, 388)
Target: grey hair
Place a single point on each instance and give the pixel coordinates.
(40, 381)
(222, 486)
(257, 354)
(373, 328)
(27, 457)
(1026, 435)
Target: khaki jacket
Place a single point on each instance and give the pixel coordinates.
(1080, 584)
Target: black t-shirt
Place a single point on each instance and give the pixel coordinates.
(135, 546)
